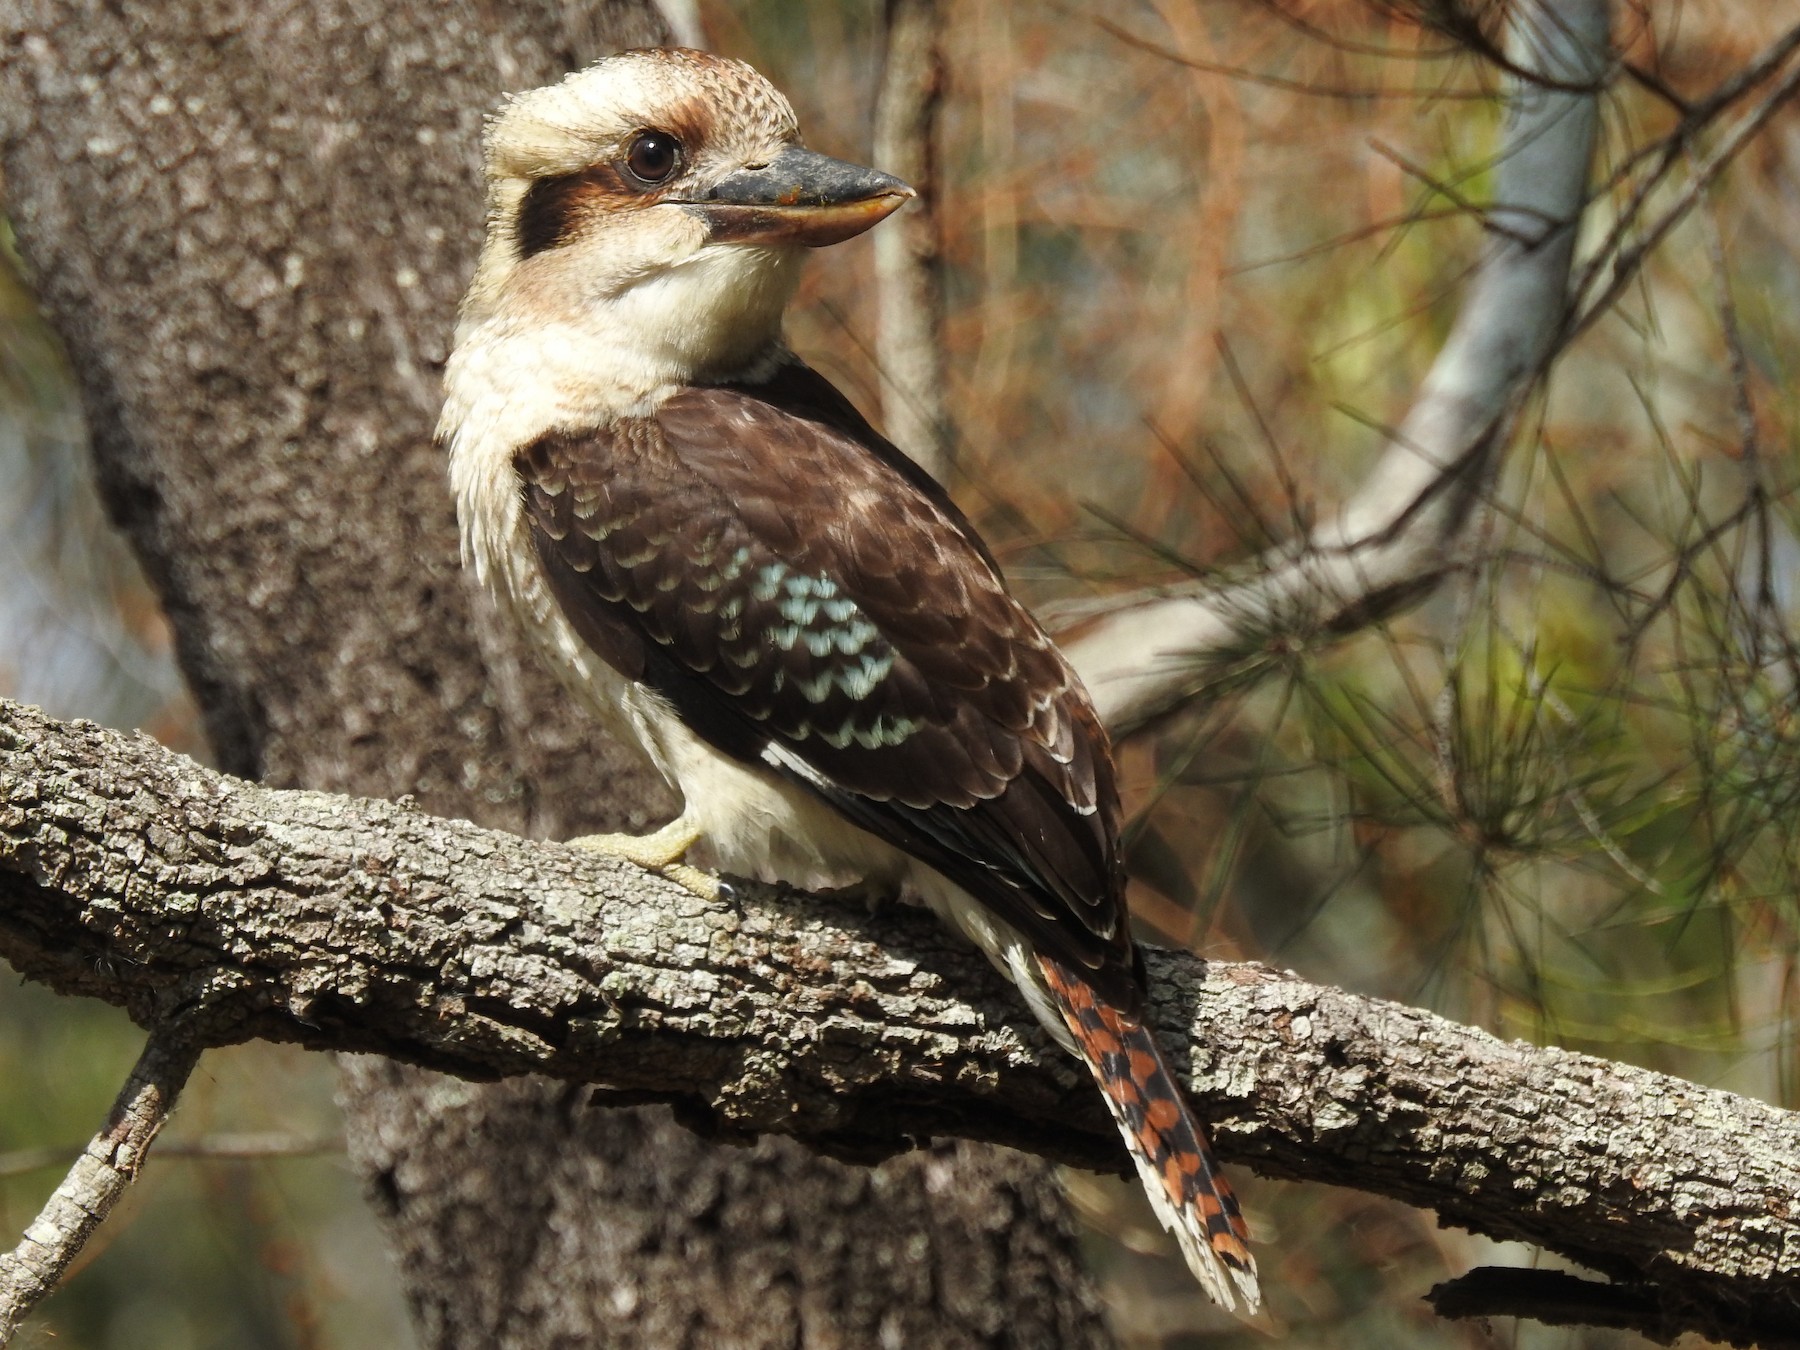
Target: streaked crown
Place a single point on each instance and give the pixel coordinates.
(720, 108)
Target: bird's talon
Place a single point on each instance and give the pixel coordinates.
(703, 884)
(660, 852)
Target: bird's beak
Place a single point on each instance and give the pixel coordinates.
(799, 197)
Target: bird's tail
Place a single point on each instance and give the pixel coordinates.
(1174, 1160)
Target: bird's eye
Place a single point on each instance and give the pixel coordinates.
(653, 156)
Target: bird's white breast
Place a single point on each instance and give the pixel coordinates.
(500, 395)
(504, 390)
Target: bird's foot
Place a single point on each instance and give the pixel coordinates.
(660, 852)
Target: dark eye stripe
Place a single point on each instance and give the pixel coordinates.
(553, 208)
(547, 213)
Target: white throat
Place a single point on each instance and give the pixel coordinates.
(569, 340)
(554, 346)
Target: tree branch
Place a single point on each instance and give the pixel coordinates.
(1553, 1297)
(1402, 532)
(131, 874)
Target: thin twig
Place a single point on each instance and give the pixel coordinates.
(248, 1147)
(1291, 86)
(1627, 261)
(1667, 153)
(98, 1178)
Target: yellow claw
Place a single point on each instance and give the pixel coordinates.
(660, 852)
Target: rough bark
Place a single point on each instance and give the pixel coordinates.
(128, 873)
(943, 1230)
(250, 224)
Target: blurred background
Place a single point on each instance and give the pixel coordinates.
(1183, 297)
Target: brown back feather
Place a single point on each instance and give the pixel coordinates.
(788, 578)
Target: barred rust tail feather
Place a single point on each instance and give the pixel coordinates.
(1174, 1159)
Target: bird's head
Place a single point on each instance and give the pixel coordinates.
(660, 200)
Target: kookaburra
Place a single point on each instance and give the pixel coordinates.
(726, 563)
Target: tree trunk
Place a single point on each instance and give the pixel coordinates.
(250, 224)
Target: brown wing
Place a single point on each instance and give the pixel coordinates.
(810, 601)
